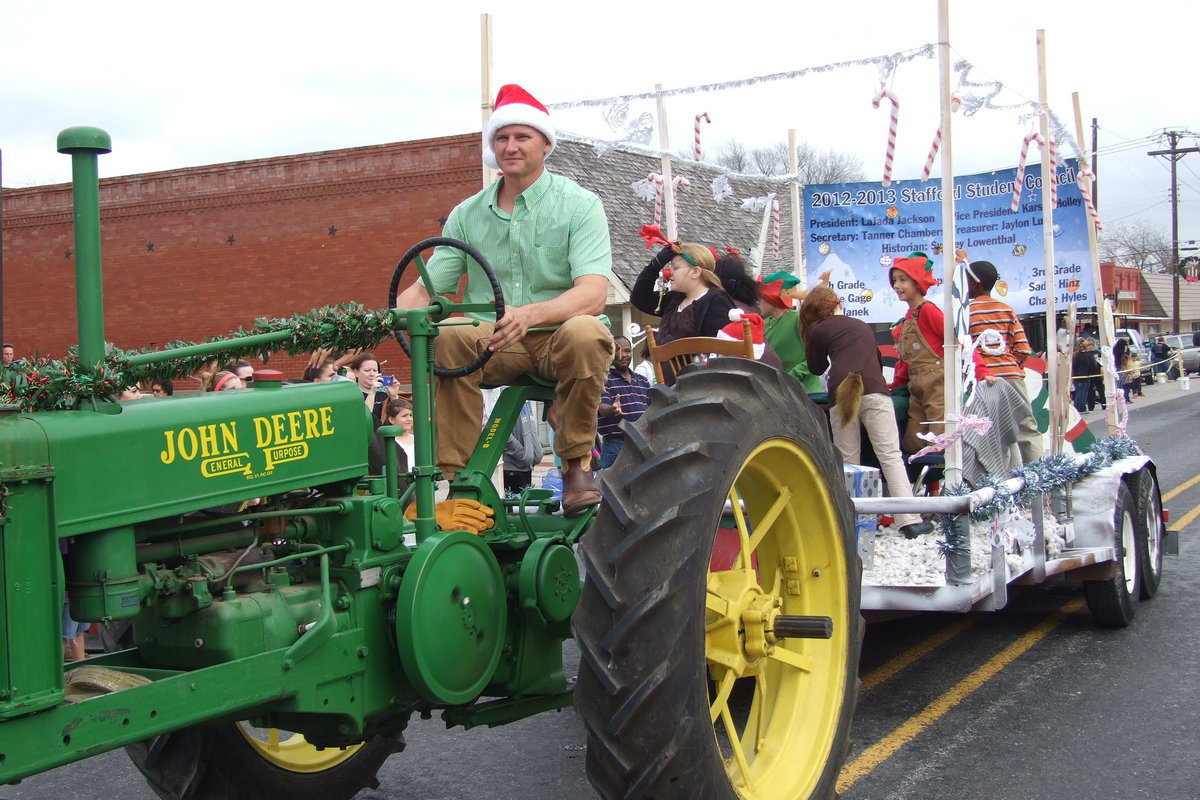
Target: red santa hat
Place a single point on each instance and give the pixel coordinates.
(734, 332)
(515, 106)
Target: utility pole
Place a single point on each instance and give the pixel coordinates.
(1175, 153)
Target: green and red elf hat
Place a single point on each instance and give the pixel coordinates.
(775, 283)
(919, 268)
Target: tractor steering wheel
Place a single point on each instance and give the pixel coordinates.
(444, 241)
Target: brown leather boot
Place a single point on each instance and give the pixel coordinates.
(579, 487)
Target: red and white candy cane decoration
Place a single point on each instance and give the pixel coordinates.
(657, 180)
(678, 182)
(955, 103)
(890, 157)
(1084, 179)
(701, 116)
(1051, 163)
(775, 226)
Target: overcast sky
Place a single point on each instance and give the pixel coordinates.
(179, 85)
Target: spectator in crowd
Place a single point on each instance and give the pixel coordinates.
(522, 453)
(1085, 374)
(133, 392)
(225, 381)
(321, 373)
(1160, 352)
(626, 395)
(1129, 368)
(547, 240)
(399, 412)
(858, 392)
(365, 369)
(162, 388)
(207, 375)
(72, 635)
(244, 370)
(645, 368)
(1003, 348)
(7, 355)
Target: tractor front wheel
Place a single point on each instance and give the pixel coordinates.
(236, 762)
(726, 673)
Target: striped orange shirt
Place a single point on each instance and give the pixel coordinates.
(986, 313)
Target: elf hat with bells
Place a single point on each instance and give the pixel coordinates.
(918, 267)
(782, 288)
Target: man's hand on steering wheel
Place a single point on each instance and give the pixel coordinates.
(511, 328)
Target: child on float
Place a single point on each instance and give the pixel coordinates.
(680, 286)
(858, 393)
(776, 295)
(920, 343)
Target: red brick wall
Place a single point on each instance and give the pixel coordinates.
(284, 258)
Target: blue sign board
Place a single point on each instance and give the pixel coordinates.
(855, 230)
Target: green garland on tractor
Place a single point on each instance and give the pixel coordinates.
(43, 384)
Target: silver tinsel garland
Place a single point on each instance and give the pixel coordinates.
(1041, 477)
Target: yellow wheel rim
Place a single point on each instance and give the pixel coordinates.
(776, 703)
(291, 751)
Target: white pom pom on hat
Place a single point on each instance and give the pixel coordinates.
(515, 106)
(733, 332)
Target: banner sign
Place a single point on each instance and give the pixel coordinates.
(857, 229)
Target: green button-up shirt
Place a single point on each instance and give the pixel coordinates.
(557, 232)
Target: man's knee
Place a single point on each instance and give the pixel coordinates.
(456, 342)
(585, 345)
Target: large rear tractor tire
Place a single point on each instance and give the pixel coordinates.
(1112, 600)
(704, 679)
(235, 762)
(1151, 531)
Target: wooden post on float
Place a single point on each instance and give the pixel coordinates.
(798, 268)
(664, 144)
(955, 315)
(485, 59)
(1053, 400)
(1110, 383)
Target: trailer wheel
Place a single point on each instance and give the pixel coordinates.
(1111, 600)
(705, 680)
(231, 762)
(1150, 531)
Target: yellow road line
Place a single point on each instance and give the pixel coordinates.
(885, 748)
(1181, 488)
(908, 657)
(1185, 520)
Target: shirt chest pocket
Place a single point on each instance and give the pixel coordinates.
(551, 231)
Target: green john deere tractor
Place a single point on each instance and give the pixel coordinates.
(288, 619)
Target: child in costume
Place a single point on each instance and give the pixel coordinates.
(1003, 348)
(776, 296)
(920, 344)
(857, 391)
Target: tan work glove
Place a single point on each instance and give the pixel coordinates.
(459, 515)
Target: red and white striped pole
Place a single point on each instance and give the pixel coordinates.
(775, 226)
(890, 157)
(701, 116)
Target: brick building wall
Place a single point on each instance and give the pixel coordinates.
(198, 252)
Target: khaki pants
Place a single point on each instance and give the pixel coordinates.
(878, 416)
(577, 355)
